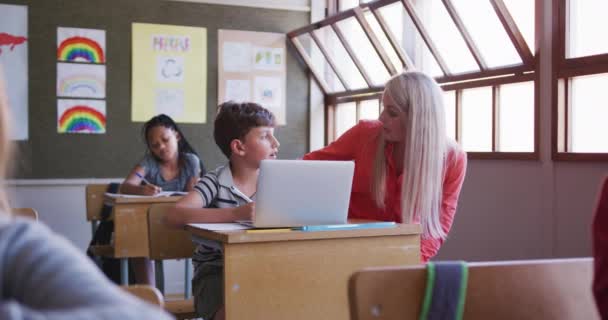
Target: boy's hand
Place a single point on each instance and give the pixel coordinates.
(150, 189)
(245, 212)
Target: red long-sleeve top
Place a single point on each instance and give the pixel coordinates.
(360, 144)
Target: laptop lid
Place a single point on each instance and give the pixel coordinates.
(294, 193)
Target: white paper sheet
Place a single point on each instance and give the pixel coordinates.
(219, 226)
(158, 195)
(238, 90)
(236, 56)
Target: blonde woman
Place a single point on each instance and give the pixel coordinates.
(406, 168)
(42, 276)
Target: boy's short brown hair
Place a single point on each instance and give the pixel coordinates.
(234, 120)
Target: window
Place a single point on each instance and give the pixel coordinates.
(478, 51)
(581, 78)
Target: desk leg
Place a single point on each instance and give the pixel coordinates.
(124, 271)
(188, 279)
(159, 275)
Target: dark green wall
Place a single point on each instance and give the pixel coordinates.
(48, 154)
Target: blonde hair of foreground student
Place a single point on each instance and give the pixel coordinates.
(421, 100)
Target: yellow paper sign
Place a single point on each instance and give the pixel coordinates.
(169, 73)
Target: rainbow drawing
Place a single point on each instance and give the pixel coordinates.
(82, 117)
(82, 86)
(81, 80)
(80, 49)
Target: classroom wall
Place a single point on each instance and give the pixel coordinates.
(49, 155)
(527, 209)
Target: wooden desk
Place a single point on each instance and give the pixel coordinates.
(131, 232)
(304, 275)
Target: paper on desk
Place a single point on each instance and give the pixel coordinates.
(160, 194)
(220, 226)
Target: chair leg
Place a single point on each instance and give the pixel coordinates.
(188, 276)
(93, 227)
(159, 274)
(124, 271)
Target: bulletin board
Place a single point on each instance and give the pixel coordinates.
(252, 67)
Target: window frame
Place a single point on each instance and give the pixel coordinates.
(563, 70)
(528, 70)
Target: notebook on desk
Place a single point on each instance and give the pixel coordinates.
(295, 193)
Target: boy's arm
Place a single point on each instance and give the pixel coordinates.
(189, 209)
(192, 207)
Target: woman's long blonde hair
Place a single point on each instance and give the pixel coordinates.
(421, 101)
(5, 145)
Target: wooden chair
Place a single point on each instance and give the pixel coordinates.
(94, 203)
(29, 213)
(146, 293)
(535, 289)
(171, 243)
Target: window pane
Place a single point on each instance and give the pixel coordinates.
(363, 49)
(487, 32)
(449, 101)
(516, 116)
(587, 24)
(347, 4)
(477, 119)
(338, 53)
(445, 35)
(523, 13)
(369, 109)
(392, 54)
(320, 64)
(346, 117)
(407, 35)
(589, 113)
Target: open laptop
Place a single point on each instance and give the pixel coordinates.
(295, 193)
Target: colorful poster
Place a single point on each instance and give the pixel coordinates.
(81, 116)
(169, 72)
(268, 58)
(81, 45)
(81, 80)
(253, 68)
(14, 67)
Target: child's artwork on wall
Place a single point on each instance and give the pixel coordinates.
(81, 116)
(238, 90)
(253, 68)
(81, 80)
(169, 72)
(14, 67)
(267, 92)
(268, 58)
(81, 45)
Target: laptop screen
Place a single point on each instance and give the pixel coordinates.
(293, 193)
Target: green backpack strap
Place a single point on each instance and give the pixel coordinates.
(446, 290)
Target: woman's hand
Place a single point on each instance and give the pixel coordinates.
(245, 212)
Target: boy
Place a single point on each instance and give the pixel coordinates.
(245, 134)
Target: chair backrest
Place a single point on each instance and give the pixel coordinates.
(147, 293)
(167, 242)
(30, 213)
(94, 200)
(535, 289)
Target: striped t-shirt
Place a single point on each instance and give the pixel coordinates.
(217, 190)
